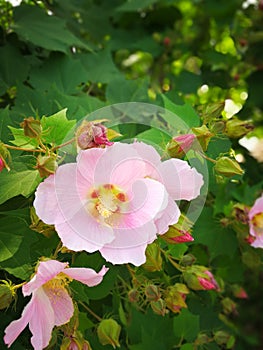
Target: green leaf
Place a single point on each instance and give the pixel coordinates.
(13, 67)
(135, 5)
(50, 32)
(16, 183)
(57, 127)
(4, 121)
(21, 140)
(63, 71)
(186, 325)
(9, 244)
(210, 233)
(185, 112)
(187, 347)
(99, 66)
(155, 137)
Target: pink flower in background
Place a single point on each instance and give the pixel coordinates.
(51, 304)
(255, 217)
(116, 199)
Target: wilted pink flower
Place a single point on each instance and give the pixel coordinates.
(2, 164)
(116, 199)
(51, 304)
(91, 135)
(255, 217)
(208, 282)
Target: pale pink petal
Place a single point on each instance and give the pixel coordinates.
(71, 190)
(149, 155)
(120, 165)
(258, 242)
(42, 320)
(87, 161)
(149, 197)
(46, 271)
(87, 276)
(61, 303)
(256, 208)
(168, 217)
(16, 327)
(180, 180)
(45, 202)
(129, 245)
(83, 232)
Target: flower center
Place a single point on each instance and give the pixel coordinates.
(106, 203)
(257, 221)
(58, 282)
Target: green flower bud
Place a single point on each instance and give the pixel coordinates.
(228, 167)
(213, 111)
(188, 260)
(153, 258)
(7, 294)
(32, 128)
(175, 297)
(159, 307)
(152, 292)
(203, 135)
(108, 332)
(179, 145)
(236, 128)
(224, 338)
(201, 339)
(133, 295)
(229, 306)
(46, 165)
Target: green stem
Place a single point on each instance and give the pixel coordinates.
(63, 144)
(90, 311)
(24, 149)
(206, 157)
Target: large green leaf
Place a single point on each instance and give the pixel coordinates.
(4, 121)
(56, 127)
(186, 325)
(9, 244)
(21, 140)
(47, 31)
(13, 67)
(16, 183)
(64, 71)
(135, 5)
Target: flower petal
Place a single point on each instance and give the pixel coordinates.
(256, 208)
(120, 165)
(87, 161)
(42, 320)
(87, 276)
(148, 153)
(45, 202)
(45, 272)
(180, 180)
(129, 245)
(149, 198)
(168, 217)
(83, 232)
(13, 330)
(61, 303)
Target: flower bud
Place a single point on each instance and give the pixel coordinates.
(236, 128)
(46, 165)
(108, 332)
(213, 111)
(175, 235)
(5, 157)
(239, 292)
(133, 295)
(175, 297)
(159, 307)
(152, 293)
(224, 338)
(203, 135)
(199, 278)
(188, 260)
(153, 258)
(228, 167)
(179, 145)
(32, 128)
(229, 306)
(202, 339)
(92, 134)
(39, 226)
(7, 294)
(240, 213)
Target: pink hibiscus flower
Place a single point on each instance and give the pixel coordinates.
(116, 199)
(51, 304)
(255, 217)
